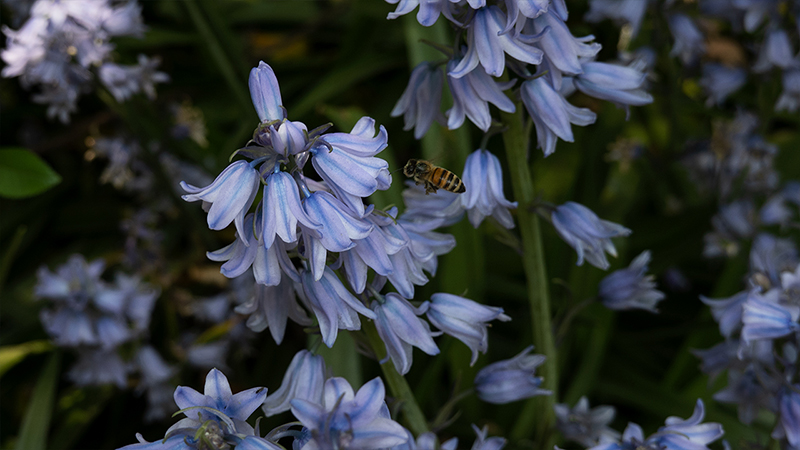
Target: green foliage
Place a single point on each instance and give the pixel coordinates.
(24, 174)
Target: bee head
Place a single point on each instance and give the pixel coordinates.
(410, 168)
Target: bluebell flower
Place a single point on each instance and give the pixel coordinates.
(487, 45)
(427, 441)
(789, 99)
(272, 306)
(422, 98)
(751, 389)
(124, 81)
(630, 288)
(213, 418)
(589, 235)
(618, 84)
(347, 420)
(727, 312)
(630, 12)
(334, 306)
(586, 426)
(230, 195)
(351, 169)
(154, 381)
(511, 379)
(387, 238)
(689, 41)
(789, 410)
(472, 93)
(400, 330)
(771, 256)
(732, 223)
(429, 10)
(209, 355)
(719, 81)
(74, 282)
(265, 93)
(483, 442)
(97, 367)
(776, 51)
(765, 318)
(529, 9)
(718, 358)
(464, 319)
(442, 206)
(282, 210)
(304, 379)
(677, 434)
(560, 47)
(485, 196)
(552, 114)
(339, 227)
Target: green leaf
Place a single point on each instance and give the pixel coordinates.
(23, 174)
(10, 355)
(36, 423)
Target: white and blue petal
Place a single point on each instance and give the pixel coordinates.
(265, 93)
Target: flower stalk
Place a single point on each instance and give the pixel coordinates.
(415, 418)
(538, 411)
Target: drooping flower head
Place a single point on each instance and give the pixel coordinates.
(589, 235)
(630, 288)
(510, 380)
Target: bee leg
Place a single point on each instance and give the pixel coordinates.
(430, 188)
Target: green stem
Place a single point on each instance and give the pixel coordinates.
(539, 410)
(218, 54)
(397, 384)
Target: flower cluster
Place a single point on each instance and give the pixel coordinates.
(677, 433)
(761, 27)
(331, 415)
(305, 230)
(525, 36)
(61, 43)
(762, 338)
(102, 322)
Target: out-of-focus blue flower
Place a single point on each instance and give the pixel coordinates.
(776, 51)
(589, 235)
(561, 48)
(789, 408)
(586, 426)
(689, 41)
(443, 206)
(487, 45)
(304, 379)
(463, 319)
(74, 282)
(125, 81)
(427, 441)
(421, 100)
(61, 41)
(511, 379)
(472, 93)
(630, 288)
(230, 195)
(483, 442)
(155, 375)
(629, 12)
(98, 367)
(789, 99)
(347, 420)
(771, 256)
(720, 81)
(727, 312)
(212, 418)
(677, 434)
(618, 84)
(400, 330)
(751, 389)
(552, 114)
(484, 196)
(733, 222)
(334, 306)
(765, 318)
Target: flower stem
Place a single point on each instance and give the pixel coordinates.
(397, 383)
(539, 410)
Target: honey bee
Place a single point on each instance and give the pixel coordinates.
(434, 177)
